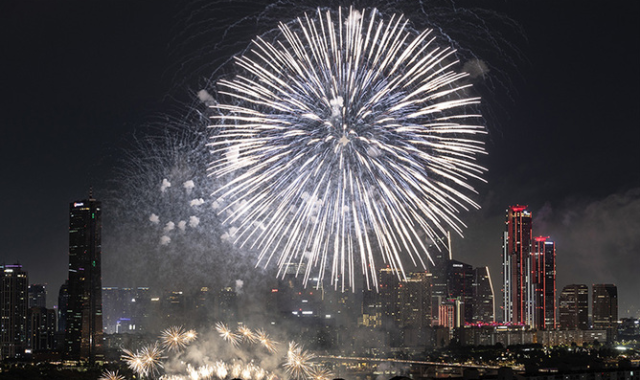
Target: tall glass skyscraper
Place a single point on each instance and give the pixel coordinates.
(574, 307)
(543, 283)
(517, 300)
(83, 331)
(13, 311)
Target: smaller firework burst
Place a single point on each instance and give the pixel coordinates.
(266, 341)
(173, 338)
(298, 363)
(190, 336)
(111, 375)
(247, 335)
(134, 362)
(227, 334)
(320, 373)
(152, 358)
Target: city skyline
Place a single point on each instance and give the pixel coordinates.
(564, 144)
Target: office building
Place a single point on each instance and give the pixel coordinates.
(460, 278)
(13, 311)
(574, 307)
(543, 283)
(37, 295)
(483, 300)
(604, 306)
(517, 305)
(41, 327)
(83, 330)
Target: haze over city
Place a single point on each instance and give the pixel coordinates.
(85, 82)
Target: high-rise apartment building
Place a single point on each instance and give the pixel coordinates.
(37, 295)
(574, 307)
(13, 311)
(83, 331)
(604, 306)
(460, 278)
(483, 300)
(543, 283)
(41, 327)
(517, 305)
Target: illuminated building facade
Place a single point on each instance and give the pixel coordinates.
(574, 307)
(605, 306)
(13, 310)
(83, 330)
(543, 283)
(517, 305)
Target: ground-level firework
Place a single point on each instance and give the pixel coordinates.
(245, 353)
(347, 141)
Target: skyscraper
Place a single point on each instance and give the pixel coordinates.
(13, 310)
(574, 307)
(83, 332)
(517, 305)
(483, 301)
(37, 295)
(604, 306)
(460, 278)
(543, 283)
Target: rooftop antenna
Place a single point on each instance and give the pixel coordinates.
(90, 192)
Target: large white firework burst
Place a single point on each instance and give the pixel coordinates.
(349, 135)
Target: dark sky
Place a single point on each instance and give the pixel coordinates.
(78, 78)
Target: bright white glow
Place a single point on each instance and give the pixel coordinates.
(349, 136)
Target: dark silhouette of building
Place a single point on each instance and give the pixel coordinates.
(543, 283)
(63, 299)
(37, 295)
(42, 328)
(83, 330)
(483, 299)
(13, 310)
(460, 285)
(517, 305)
(574, 307)
(604, 306)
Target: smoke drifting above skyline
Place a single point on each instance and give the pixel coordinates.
(560, 120)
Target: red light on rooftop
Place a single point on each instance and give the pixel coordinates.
(541, 238)
(517, 208)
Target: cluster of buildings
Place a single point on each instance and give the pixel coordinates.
(74, 329)
(449, 300)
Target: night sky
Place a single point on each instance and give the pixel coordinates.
(79, 78)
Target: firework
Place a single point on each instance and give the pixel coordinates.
(247, 335)
(266, 341)
(111, 375)
(320, 373)
(227, 334)
(347, 136)
(134, 362)
(176, 338)
(298, 362)
(146, 361)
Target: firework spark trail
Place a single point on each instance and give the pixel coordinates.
(298, 363)
(227, 334)
(111, 375)
(349, 135)
(147, 362)
(246, 334)
(176, 338)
